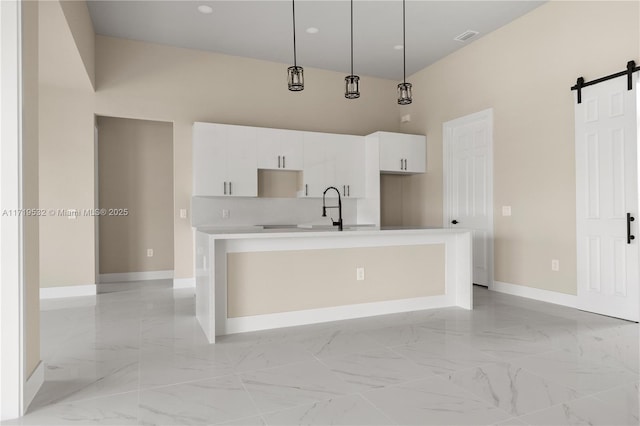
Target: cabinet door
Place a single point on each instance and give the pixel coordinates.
(209, 159)
(351, 171)
(402, 153)
(416, 155)
(333, 152)
(291, 149)
(392, 149)
(242, 167)
(268, 147)
(313, 164)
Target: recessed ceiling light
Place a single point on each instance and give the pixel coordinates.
(312, 30)
(398, 47)
(203, 8)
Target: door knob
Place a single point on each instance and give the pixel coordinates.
(455, 222)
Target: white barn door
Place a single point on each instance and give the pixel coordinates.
(468, 186)
(607, 216)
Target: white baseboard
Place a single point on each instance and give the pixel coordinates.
(313, 316)
(135, 276)
(184, 282)
(535, 293)
(33, 384)
(67, 291)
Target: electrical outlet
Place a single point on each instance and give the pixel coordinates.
(226, 213)
(506, 210)
(149, 252)
(405, 118)
(183, 213)
(360, 274)
(555, 265)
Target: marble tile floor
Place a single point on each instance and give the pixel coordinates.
(135, 354)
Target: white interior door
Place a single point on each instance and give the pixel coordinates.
(468, 186)
(606, 124)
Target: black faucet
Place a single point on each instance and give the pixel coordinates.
(339, 207)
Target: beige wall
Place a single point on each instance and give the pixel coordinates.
(30, 184)
(135, 169)
(523, 71)
(77, 16)
(60, 63)
(391, 199)
(278, 183)
(66, 127)
(283, 281)
(66, 182)
(155, 82)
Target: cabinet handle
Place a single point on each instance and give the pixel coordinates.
(629, 220)
(225, 188)
(284, 162)
(306, 189)
(278, 161)
(344, 190)
(405, 164)
(230, 190)
(348, 190)
(401, 164)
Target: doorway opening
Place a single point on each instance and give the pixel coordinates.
(134, 201)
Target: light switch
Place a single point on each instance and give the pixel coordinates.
(225, 213)
(506, 210)
(183, 213)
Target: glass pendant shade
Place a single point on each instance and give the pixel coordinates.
(295, 78)
(404, 94)
(352, 87)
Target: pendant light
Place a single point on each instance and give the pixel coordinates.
(295, 74)
(352, 82)
(404, 88)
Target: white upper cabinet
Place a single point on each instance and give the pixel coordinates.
(317, 172)
(402, 153)
(333, 160)
(224, 160)
(350, 169)
(279, 149)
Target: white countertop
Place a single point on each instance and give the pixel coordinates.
(259, 232)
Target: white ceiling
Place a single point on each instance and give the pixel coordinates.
(263, 29)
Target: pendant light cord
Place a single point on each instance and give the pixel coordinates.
(293, 3)
(404, 47)
(351, 37)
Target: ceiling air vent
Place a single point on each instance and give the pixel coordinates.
(466, 36)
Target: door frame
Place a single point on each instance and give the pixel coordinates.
(12, 310)
(447, 189)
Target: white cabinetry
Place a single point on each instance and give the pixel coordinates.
(350, 169)
(333, 160)
(402, 153)
(224, 160)
(279, 149)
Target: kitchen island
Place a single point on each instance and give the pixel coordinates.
(254, 279)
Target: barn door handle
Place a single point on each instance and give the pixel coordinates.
(629, 220)
(455, 222)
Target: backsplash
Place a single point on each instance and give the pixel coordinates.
(207, 211)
